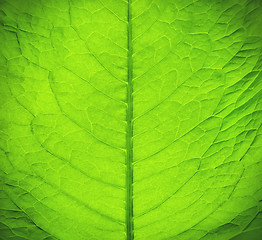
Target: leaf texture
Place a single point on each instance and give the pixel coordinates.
(126, 119)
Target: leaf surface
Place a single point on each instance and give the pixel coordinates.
(130, 119)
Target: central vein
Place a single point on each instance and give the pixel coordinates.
(129, 136)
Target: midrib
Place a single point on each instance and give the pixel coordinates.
(129, 143)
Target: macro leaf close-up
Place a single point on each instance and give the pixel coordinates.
(130, 119)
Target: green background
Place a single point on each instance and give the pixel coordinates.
(193, 145)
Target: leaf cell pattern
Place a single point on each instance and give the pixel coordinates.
(126, 119)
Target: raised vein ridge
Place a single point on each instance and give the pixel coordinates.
(129, 135)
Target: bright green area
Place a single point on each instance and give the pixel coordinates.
(130, 120)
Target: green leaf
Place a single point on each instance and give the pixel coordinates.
(130, 119)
